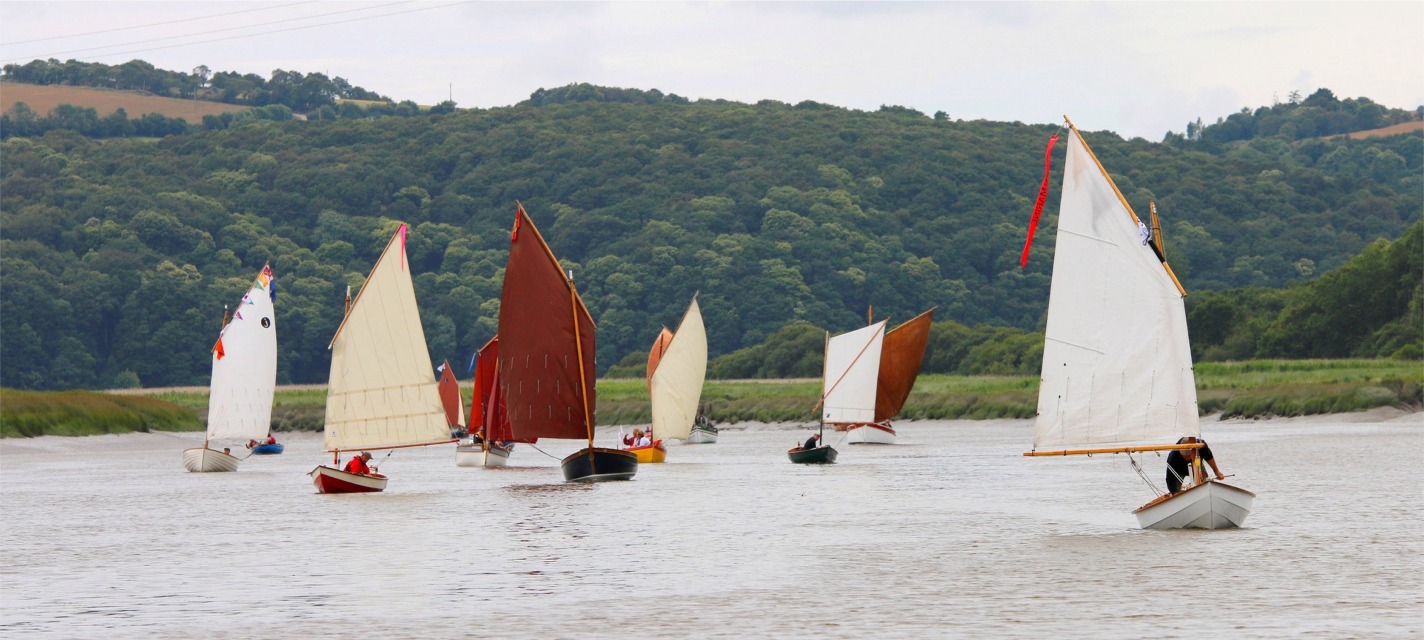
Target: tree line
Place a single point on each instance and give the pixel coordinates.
(118, 255)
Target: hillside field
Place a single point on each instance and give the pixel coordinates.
(42, 98)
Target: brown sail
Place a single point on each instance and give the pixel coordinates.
(546, 366)
(655, 354)
(900, 358)
(450, 395)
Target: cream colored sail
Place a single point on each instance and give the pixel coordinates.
(848, 385)
(382, 392)
(676, 385)
(245, 368)
(1117, 368)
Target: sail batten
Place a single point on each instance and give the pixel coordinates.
(849, 382)
(1117, 365)
(675, 386)
(244, 371)
(381, 393)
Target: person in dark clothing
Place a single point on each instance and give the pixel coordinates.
(812, 442)
(1180, 464)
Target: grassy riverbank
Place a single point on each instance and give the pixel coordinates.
(86, 413)
(1258, 388)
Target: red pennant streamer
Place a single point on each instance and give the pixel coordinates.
(1038, 204)
(518, 220)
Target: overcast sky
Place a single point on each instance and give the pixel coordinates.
(1137, 68)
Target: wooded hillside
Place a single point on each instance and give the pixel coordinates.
(119, 255)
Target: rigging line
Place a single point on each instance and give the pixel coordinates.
(531, 446)
(158, 24)
(203, 33)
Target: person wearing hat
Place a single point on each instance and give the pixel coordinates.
(358, 464)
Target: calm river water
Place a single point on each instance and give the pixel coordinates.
(951, 533)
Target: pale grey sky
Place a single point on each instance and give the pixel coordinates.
(1137, 68)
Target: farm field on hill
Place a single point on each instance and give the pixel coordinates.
(42, 98)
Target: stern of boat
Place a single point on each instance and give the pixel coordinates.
(598, 464)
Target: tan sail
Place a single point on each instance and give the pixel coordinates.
(676, 386)
(381, 393)
(900, 358)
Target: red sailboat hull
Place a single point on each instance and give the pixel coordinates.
(329, 480)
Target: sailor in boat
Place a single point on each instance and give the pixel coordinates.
(811, 442)
(227, 451)
(646, 440)
(635, 440)
(358, 464)
(1180, 463)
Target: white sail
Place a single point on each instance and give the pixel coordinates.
(1117, 367)
(852, 365)
(380, 393)
(676, 385)
(245, 368)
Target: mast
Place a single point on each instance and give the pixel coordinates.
(1156, 230)
(583, 382)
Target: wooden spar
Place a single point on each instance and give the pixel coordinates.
(1157, 230)
(869, 314)
(349, 301)
(1088, 452)
(1123, 200)
(337, 452)
(578, 346)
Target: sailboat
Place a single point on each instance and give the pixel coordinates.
(900, 355)
(546, 357)
(847, 385)
(380, 394)
(244, 377)
(491, 440)
(675, 382)
(451, 400)
(1117, 368)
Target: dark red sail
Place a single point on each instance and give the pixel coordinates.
(546, 335)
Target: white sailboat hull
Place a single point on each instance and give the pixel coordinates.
(474, 455)
(870, 434)
(701, 436)
(1210, 505)
(202, 460)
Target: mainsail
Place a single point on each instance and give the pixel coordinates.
(245, 367)
(1117, 366)
(851, 368)
(546, 354)
(675, 386)
(900, 358)
(450, 397)
(380, 393)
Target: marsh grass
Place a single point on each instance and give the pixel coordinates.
(1250, 389)
(86, 413)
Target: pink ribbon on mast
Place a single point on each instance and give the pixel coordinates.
(402, 235)
(1038, 204)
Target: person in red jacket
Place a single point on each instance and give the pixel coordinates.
(358, 464)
